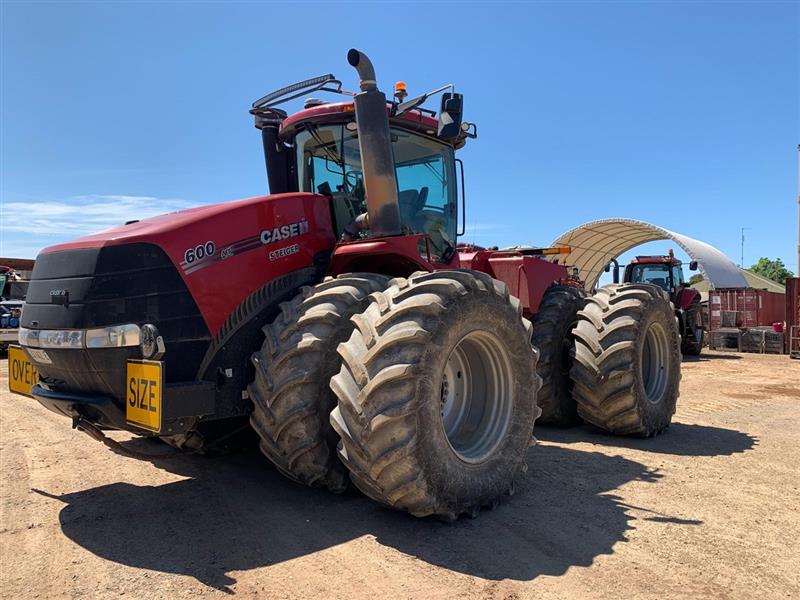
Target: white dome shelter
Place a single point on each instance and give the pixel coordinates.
(596, 243)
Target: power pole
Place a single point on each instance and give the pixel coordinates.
(798, 210)
(741, 260)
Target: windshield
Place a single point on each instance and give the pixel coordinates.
(657, 274)
(329, 163)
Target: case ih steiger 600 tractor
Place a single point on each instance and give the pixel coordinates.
(339, 317)
(665, 271)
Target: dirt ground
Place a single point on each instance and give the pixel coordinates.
(709, 509)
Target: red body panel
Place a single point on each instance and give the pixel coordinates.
(655, 260)
(244, 258)
(398, 256)
(527, 277)
(337, 108)
(685, 298)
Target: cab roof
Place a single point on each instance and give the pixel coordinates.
(669, 260)
(337, 111)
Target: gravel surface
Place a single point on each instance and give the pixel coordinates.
(708, 509)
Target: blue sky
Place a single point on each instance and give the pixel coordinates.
(683, 114)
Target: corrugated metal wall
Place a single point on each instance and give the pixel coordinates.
(745, 308)
(792, 313)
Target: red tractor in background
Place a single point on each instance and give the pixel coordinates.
(352, 333)
(666, 272)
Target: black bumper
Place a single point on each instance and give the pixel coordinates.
(182, 405)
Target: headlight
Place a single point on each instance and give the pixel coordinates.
(150, 342)
(61, 338)
(117, 336)
(28, 337)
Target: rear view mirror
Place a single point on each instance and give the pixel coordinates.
(452, 108)
(693, 265)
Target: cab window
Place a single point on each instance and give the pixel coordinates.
(657, 274)
(677, 276)
(329, 163)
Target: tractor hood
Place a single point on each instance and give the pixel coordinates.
(222, 252)
(163, 226)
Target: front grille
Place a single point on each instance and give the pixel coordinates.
(114, 285)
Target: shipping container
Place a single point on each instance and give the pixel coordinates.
(745, 307)
(792, 329)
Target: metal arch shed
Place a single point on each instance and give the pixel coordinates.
(594, 244)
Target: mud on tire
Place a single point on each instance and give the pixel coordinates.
(437, 394)
(627, 360)
(291, 392)
(552, 335)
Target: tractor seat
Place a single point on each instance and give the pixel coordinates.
(411, 203)
(660, 282)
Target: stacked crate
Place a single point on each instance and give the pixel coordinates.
(751, 340)
(773, 342)
(724, 339)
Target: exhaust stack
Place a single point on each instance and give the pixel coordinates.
(375, 144)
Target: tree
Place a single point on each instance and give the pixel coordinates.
(695, 279)
(771, 269)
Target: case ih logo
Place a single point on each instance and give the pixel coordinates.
(208, 255)
(284, 232)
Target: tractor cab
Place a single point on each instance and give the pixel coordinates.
(664, 271)
(328, 162)
(319, 150)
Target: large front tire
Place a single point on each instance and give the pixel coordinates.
(437, 394)
(627, 360)
(291, 390)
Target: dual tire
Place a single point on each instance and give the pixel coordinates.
(611, 360)
(290, 392)
(423, 391)
(431, 397)
(626, 370)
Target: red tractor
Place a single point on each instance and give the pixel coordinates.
(351, 332)
(666, 273)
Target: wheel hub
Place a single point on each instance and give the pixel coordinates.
(654, 362)
(476, 396)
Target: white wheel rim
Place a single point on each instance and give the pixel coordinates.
(476, 396)
(654, 362)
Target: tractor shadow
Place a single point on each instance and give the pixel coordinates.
(680, 439)
(237, 513)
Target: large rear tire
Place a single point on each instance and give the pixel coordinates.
(291, 391)
(693, 333)
(437, 394)
(552, 335)
(627, 360)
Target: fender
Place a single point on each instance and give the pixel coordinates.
(227, 360)
(686, 297)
